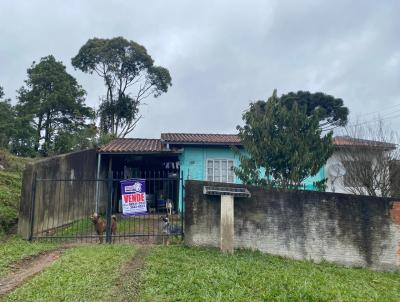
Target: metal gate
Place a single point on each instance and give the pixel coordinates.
(63, 209)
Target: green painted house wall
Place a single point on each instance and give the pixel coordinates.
(193, 164)
(193, 160)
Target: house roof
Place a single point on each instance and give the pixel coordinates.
(347, 141)
(201, 138)
(132, 145)
(144, 145)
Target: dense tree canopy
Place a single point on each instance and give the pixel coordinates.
(7, 117)
(23, 140)
(329, 110)
(129, 75)
(51, 104)
(283, 146)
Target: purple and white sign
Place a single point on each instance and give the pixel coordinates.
(133, 193)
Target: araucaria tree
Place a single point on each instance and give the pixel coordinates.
(329, 110)
(283, 146)
(129, 75)
(52, 104)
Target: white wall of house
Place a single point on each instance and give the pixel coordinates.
(334, 184)
(337, 184)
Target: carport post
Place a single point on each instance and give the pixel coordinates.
(109, 209)
(97, 182)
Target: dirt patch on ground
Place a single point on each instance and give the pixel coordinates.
(128, 285)
(26, 269)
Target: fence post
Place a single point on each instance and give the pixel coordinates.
(33, 201)
(109, 208)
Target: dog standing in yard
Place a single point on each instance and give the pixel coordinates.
(168, 206)
(168, 229)
(165, 230)
(100, 225)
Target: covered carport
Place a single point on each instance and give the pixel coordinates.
(141, 158)
(60, 194)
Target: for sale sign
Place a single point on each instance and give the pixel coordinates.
(133, 193)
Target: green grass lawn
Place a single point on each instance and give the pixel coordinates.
(85, 226)
(85, 273)
(15, 249)
(191, 274)
(176, 273)
(138, 225)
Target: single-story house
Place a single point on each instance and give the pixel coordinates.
(210, 157)
(188, 156)
(80, 180)
(193, 156)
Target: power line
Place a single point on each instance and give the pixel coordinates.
(378, 111)
(376, 119)
(387, 116)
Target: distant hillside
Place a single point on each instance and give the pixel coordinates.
(11, 168)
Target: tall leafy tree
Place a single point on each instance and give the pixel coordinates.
(129, 75)
(329, 110)
(53, 102)
(7, 120)
(75, 139)
(23, 140)
(283, 145)
(16, 132)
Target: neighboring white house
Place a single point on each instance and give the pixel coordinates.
(343, 164)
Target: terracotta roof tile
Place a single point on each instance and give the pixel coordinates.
(197, 138)
(347, 141)
(129, 145)
(138, 145)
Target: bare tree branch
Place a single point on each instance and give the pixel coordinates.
(129, 127)
(370, 161)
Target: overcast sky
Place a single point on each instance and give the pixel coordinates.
(221, 54)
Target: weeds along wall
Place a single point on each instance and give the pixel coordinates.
(55, 200)
(346, 229)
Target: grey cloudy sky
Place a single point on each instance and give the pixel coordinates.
(221, 54)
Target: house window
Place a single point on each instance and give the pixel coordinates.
(220, 170)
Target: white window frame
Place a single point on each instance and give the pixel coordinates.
(220, 160)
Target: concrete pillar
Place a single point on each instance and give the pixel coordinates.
(227, 229)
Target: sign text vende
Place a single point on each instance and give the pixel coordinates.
(137, 197)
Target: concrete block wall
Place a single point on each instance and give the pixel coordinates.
(346, 229)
